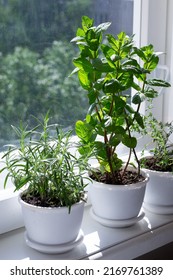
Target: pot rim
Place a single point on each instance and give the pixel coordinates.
(161, 173)
(126, 186)
(42, 208)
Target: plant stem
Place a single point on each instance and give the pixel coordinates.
(127, 163)
(137, 160)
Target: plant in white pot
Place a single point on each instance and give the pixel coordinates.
(108, 68)
(159, 164)
(52, 186)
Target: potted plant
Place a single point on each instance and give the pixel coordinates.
(52, 190)
(159, 164)
(108, 69)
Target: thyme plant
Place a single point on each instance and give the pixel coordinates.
(45, 165)
(108, 68)
(161, 158)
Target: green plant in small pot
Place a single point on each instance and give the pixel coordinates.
(50, 180)
(108, 69)
(159, 164)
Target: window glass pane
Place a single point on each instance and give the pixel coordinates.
(36, 57)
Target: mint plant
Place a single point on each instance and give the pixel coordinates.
(108, 68)
(43, 163)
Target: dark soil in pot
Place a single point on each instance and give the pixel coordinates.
(118, 178)
(153, 163)
(36, 200)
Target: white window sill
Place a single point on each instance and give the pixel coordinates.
(12, 219)
(100, 242)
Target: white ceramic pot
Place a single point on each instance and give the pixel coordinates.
(52, 226)
(159, 192)
(117, 202)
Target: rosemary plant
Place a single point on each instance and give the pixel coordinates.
(45, 166)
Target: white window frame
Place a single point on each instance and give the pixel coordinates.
(168, 98)
(153, 25)
(148, 29)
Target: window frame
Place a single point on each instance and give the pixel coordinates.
(149, 29)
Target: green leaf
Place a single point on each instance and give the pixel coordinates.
(81, 130)
(151, 93)
(136, 99)
(6, 178)
(141, 77)
(121, 36)
(140, 53)
(103, 26)
(148, 52)
(21, 182)
(101, 65)
(83, 63)
(152, 63)
(87, 23)
(94, 44)
(158, 83)
(136, 86)
(76, 39)
(85, 149)
(139, 119)
(74, 71)
(84, 131)
(132, 69)
(99, 84)
(84, 80)
(104, 165)
(91, 108)
(130, 61)
(119, 130)
(120, 104)
(107, 120)
(88, 118)
(126, 80)
(81, 44)
(115, 161)
(113, 86)
(80, 33)
(115, 141)
(130, 109)
(113, 42)
(108, 52)
(92, 39)
(129, 142)
(100, 149)
(117, 133)
(85, 51)
(92, 96)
